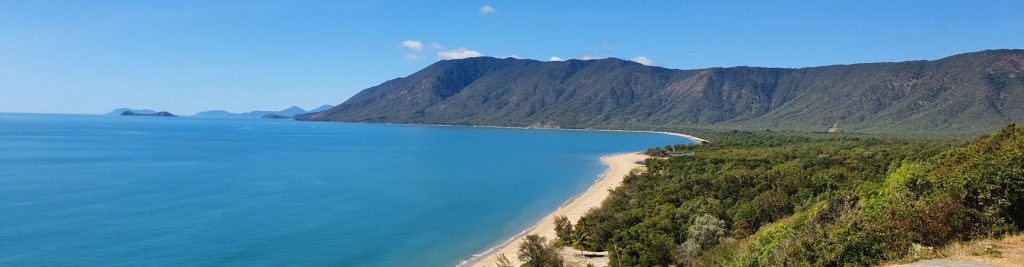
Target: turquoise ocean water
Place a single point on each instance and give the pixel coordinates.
(141, 191)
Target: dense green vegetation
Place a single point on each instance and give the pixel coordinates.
(536, 251)
(771, 199)
(974, 93)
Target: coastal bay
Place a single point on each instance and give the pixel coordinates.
(119, 191)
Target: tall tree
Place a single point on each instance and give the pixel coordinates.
(563, 230)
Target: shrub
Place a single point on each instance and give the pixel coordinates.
(563, 230)
(536, 251)
(705, 232)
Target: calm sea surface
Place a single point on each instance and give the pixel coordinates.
(140, 191)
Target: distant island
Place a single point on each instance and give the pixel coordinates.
(275, 116)
(257, 114)
(120, 111)
(286, 113)
(155, 114)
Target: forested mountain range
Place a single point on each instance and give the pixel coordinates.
(969, 93)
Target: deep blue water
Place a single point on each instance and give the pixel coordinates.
(140, 191)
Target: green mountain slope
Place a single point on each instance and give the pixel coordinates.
(964, 94)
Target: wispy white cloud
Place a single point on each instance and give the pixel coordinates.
(459, 53)
(555, 59)
(487, 10)
(412, 56)
(436, 46)
(413, 45)
(644, 60)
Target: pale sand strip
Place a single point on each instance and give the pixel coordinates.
(694, 138)
(618, 167)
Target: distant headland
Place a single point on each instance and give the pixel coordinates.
(287, 113)
(154, 114)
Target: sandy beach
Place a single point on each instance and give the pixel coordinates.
(694, 138)
(618, 167)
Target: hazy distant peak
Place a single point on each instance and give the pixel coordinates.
(321, 108)
(256, 114)
(292, 109)
(119, 111)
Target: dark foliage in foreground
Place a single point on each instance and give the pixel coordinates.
(790, 200)
(536, 251)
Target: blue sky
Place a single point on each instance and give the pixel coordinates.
(189, 56)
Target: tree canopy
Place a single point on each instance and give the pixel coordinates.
(755, 199)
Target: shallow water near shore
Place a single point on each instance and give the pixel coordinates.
(133, 191)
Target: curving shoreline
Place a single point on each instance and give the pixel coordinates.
(619, 165)
(691, 137)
